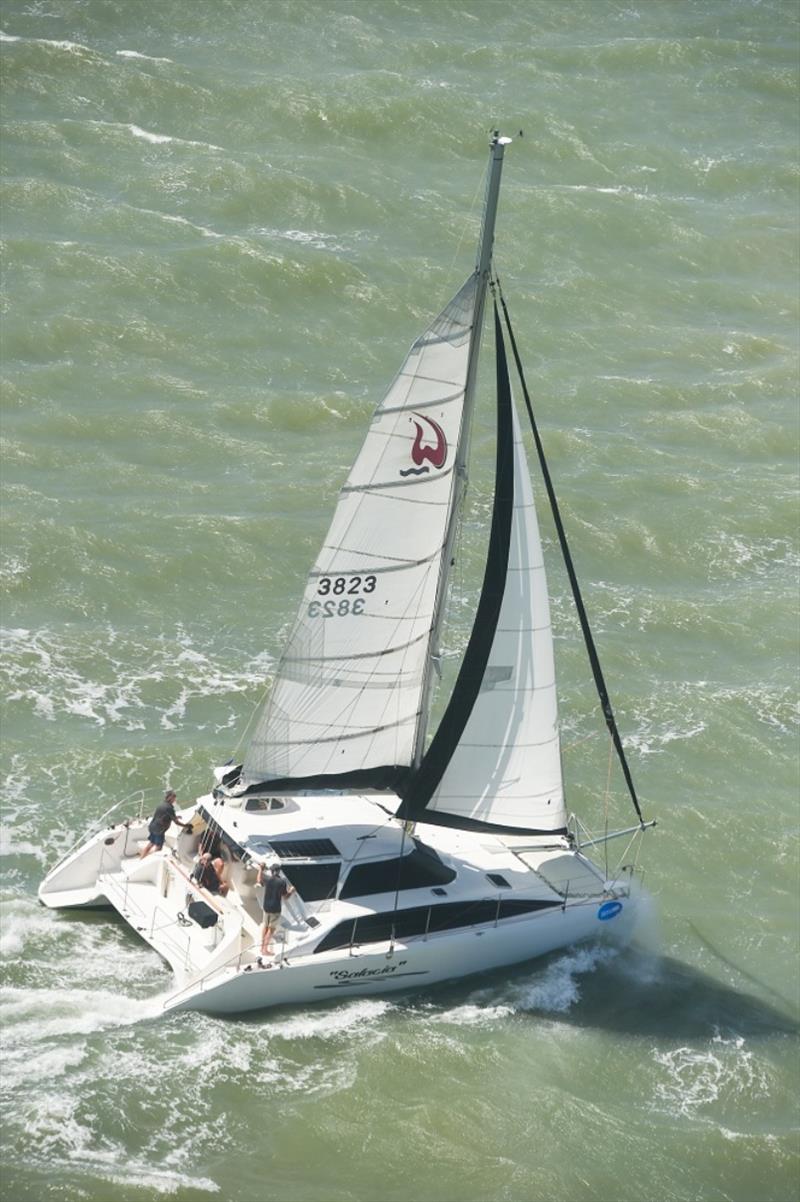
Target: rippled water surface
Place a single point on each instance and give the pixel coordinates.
(223, 223)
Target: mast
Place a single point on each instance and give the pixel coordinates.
(482, 270)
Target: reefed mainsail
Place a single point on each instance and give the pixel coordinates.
(346, 696)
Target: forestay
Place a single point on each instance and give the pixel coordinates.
(346, 696)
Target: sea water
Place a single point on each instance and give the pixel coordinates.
(223, 223)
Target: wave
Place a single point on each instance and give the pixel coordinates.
(53, 43)
(149, 136)
(130, 685)
(148, 58)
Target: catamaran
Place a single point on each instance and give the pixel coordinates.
(414, 858)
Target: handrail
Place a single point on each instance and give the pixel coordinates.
(635, 833)
(198, 984)
(233, 961)
(95, 827)
(355, 942)
(628, 830)
(203, 894)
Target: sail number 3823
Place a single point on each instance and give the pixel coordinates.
(341, 595)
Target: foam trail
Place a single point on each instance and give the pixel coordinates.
(78, 1012)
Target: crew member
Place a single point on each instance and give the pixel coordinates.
(275, 890)
(160, 823)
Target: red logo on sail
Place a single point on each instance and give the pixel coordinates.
(424, 451)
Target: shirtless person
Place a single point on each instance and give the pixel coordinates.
(210, 874)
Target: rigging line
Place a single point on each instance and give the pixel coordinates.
(791, 1005)
(600, 684)
(349, 861)
(255, 711)
(620, 866)
(606, 797)
(635, 841)
(578, 742)
(397, 878)
(466, 222)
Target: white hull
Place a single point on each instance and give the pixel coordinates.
(415, 964)
(484, 872)
(218, 970)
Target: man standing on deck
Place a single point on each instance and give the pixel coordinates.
(160, 823)
(275, 890)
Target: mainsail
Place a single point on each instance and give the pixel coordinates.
(350, 702)
(346, 697)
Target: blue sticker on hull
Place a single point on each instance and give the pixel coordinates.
(609, 909)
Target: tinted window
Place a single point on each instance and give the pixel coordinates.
(448, 916)
(420, 869)
(314, 882)
(304, 848)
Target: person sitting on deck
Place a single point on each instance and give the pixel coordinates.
(210, 874)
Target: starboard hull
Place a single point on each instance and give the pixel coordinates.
(412, 965)
(562, 900)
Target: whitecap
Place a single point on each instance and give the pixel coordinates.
(22, 918)
(144, 1176)
(37, 1016)
(53, 1126)
(56, 44)
(315, 238)
(155, 139)
(557, 989)
(695, 1077)
(23, 1066)
(554, 989)
(177, 220)
(472, 1014)
(622, 190)
(148, 58)
(328, 1024)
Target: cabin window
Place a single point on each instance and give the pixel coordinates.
(264, 805)
(498, 880)
(420, 869)
(417, 920)
(313, 882)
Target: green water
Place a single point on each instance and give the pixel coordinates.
(223, 223)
